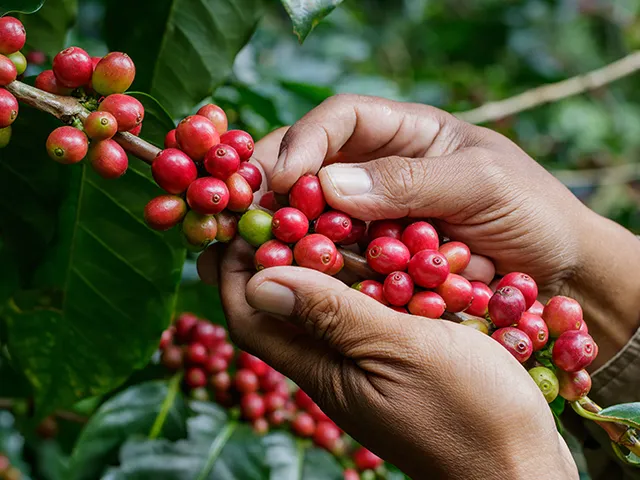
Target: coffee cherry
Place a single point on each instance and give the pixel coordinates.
(479, 324)
(195, 377)
(196, 135)
(172, 358)
(255, 227)
(241, 141)
(315, 251)
(372, 289)
(204, 333)
(19, 61)
(166, 339)
(328, 436)
(457, 293)
(351, 474)
(108, 159)
(12, 35)
(173, 171)
(522, 282)
(289, 225)
(268, 201)
(274, 401)
(562, 314)
(114, 73)
(481, 296)
(196, 354)
(221, 161)
(94, 62)
(271, 380)
(273, 253)
(9, 109)
(337, 266)
(334, 225)
(515, 341)
(506, 306)
(246, 381)
(240, 193)
(398, 309)
(128, 111)
(100, 125)
(303, 425)
(537, 308)
(184, 325)
(358, 232)
(216, 115)
(227, 227)
(251, 174)
(136, 130)
(226, 350)
(67, 145)
(428, 268)
(199, 230)
(306, 195)
(47, 81)
(8, 71)
(5, 136)
(73, 67)
(385, 228)
(386, 255)
(277, 418)
(573, 351)
(303, 401)
(170, 140)
(457, 254)
(220, 382)
(583, 327)
(398, 288)
(215, 364)
(208, 195)
(36, 57)
(253, 363)
(546, 381)
(574, 385)
(252, 406)
(535, 328)
(366, 460)
(427, 304)
(420, 236)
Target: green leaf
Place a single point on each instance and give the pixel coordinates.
(292, 459)
(202, 300)
(131, 412)
(47, 29)
(306, 14)
(157, 121)
(557, 406)
(183, 49)
(627, 413)
(20, 6)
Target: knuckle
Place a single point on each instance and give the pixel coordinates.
(321, 315)
(399, 179)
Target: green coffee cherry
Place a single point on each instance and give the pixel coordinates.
(255, 227)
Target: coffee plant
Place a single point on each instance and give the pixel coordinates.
(116, 170)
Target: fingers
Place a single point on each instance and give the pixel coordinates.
(208, 263)
(363, 127)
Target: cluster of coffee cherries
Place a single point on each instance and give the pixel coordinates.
(263, 396)
(8, 471)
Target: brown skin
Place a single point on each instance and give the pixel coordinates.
(437, 399)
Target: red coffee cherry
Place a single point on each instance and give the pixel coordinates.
(241, 141)
(8, 71)
(457, 254)
(246, 381)
(196, 135)
(166, 339)
(199, 230)
(515, 341)
(170, 140)
(67, 145)
(574, 385)
(386, 255)
(481, 296)
(329, 437)
(94, 62)
(221, 383)
(252, 406)
(534, 326)
(251, 174)
(366, 460)
(12, 35)
(573, 351)
(195, 377)
(334, 225)
(386, 228)
(221, 161)
(306, 195)
(128, 111)
(114, 73)
(351, 474)
(457, 293)
(208, 195)
(399, 309)
(47, 81)
(337, 266)
(173, 171)
(522, 282)
(303, 401)
(427, 304)
(273, 253)
(136, 130)
(271, 380)
(36, 57)
(8, 108)
(227, 227)
(562, 314)
(357, 234)
(253, 363)
(73, 67)
(268, 201)
(420, 236)
(372, 289)
(274, 401)
(537, 308)
(196, 354)
(100, 125)
(506, 306)
(398, 288)
(108, 159)
(216, 364)
(216, 115)
(315, 251)
(303, 425)
(240, 193)
(172, 358)
(428, 268)
(289, 225)
(206, 333)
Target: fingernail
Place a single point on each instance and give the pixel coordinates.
(274, 298)
(348, 180)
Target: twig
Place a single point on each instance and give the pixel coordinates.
(553, 92)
